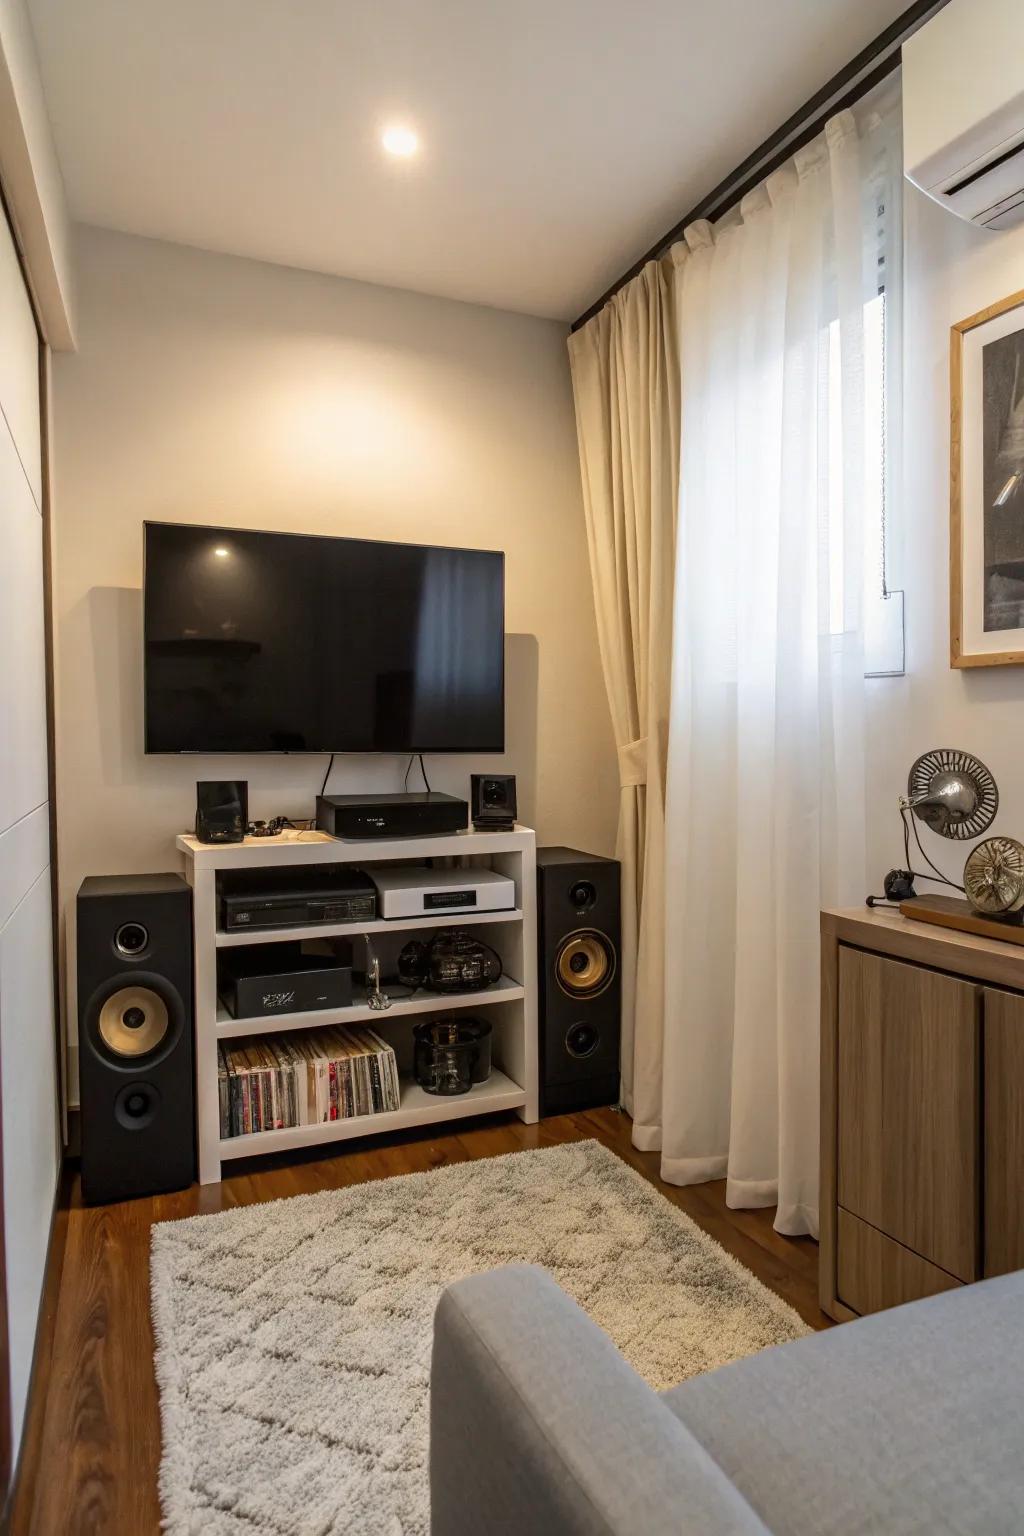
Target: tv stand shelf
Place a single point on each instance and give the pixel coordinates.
(504, 990)
(226, 940)
(510, 1005)
(417, 1108)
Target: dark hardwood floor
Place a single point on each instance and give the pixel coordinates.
(92, 1441)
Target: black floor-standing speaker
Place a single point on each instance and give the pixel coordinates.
(135, 1035)
(580, 987)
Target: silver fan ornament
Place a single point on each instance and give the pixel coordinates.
(994, 877)
(952, 792)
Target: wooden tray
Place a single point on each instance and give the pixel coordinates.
(952, 912)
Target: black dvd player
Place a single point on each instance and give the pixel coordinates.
(296, 898)
(412, 815)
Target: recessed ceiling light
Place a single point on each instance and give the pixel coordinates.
(400, 141)
(221, 552)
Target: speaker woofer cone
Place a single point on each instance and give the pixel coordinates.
(582, 1040)
(585, 963)
(136, 1105)
(133, 1021)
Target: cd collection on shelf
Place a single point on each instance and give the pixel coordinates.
(271, 1082)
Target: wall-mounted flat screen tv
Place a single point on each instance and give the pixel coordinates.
(275, 642)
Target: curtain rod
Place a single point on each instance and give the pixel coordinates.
(880, 58)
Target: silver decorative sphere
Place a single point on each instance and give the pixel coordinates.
(994, 876)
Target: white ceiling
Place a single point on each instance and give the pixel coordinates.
(560, 137)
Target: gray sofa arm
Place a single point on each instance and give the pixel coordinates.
(539, 1427)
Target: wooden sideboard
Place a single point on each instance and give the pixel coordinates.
(922, 1110)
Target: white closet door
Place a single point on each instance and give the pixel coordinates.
(19, 364)
(23, 776)
(28, 1068)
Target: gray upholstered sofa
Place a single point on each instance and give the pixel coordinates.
(909, 1421)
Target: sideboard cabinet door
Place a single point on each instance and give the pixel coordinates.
(1004, 1132)
(908, 1106)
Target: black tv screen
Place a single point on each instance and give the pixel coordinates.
(274, 642)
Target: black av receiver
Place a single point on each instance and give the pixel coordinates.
(296, 898)
(356, 817)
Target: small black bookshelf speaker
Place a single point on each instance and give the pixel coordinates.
(135, 1035)
(494, 801)
(222, 810)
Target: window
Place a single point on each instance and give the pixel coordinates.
(880, 339)
(884, 650)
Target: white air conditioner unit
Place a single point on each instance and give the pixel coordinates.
(963, 110)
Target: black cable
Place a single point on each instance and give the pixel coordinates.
(408, 768)
(330, 765)
(937, 877)
(404, 991)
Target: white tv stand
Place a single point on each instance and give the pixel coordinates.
(510, 1005)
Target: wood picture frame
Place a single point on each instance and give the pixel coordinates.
(983, 589)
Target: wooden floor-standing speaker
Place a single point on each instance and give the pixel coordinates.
(135, 1035)
(580, 986)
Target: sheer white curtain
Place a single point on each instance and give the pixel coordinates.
(765, 787)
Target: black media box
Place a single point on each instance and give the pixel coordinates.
(259, 979)
(362, 816)
(295, 898)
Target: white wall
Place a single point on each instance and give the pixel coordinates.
(952, 270)
(217, 390)
(31, 176)
(27, 1039)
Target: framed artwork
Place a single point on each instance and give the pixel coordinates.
(986, 487)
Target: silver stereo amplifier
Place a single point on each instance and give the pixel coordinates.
(421, 892)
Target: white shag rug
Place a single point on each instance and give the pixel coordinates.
(293, 1337)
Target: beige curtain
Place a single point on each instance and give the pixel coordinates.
(625, 375)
